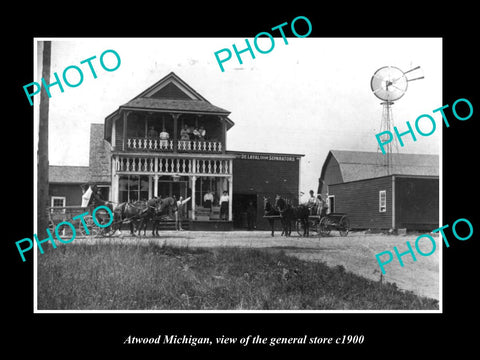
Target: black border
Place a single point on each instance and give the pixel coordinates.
(90, 334)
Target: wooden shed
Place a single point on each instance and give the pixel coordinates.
(358, 183)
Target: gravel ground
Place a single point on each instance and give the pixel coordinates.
(356, 252)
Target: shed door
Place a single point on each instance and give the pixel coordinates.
(331, 204)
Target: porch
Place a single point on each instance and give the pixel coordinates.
(136, 177)
(170, 132)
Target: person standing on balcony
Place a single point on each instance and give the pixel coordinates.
(164, 136)
(202, 132)
(196, 134)
(184, 133)
(224, 206)
(152, 133)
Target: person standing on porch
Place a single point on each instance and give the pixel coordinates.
(179, 214)
(208, 200)
(224, 206)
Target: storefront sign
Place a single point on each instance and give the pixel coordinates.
(266, 157)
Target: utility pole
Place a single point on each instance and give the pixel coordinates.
(42, 155)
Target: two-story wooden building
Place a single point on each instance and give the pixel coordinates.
(169, 140)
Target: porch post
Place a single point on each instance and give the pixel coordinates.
(155, 185)
(223, 126)
(114, 131)
(175, 132)
(149, 186)
(125, 117)
(230, 197)
(114, 193)
(194, 180)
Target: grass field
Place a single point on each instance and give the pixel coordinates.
(154, 277)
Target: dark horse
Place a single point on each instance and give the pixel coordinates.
(140, 213)
(163, 210)
(146, 214)
(128, 213)
(269, 210)
(289, 214)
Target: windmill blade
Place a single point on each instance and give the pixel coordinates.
(415, 68)
(418, 78)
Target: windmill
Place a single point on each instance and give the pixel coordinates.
(389, 84)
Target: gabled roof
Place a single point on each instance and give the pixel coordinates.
(175, 105)
(358, 165)
(68, 174)
(171, 93)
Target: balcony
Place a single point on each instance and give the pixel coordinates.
(157, 145)
(181, 166)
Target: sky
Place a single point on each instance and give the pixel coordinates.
(306, 97)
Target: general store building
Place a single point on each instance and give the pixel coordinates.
(131, 158)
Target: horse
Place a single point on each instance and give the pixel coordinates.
(164, 208)
(289, 214)
(150, 210)
(127, 212)
(269, 210)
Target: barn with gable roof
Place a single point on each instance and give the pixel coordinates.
(359, 184)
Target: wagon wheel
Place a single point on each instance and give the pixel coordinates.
(324, 226)
(93, 229)
(104, 231)
(314, 227)
(344, 226)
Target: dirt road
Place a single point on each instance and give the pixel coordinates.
(356, 252)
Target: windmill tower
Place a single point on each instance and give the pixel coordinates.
(389, 84)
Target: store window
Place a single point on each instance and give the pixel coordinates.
(133, 188)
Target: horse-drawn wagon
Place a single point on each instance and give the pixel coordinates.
(323, 225)
(82, 220)
(305, 223)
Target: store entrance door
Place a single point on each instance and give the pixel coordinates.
(240, 205)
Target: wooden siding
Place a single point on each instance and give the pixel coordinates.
(360, 200)
(119, 133)
(417, 203)
(333, 174)
(72, 193)
(266, 178)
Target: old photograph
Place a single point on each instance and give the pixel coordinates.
(269, 174)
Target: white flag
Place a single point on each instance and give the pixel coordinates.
(86, 197)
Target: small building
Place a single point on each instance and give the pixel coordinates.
(65, 184)
(359, 184)
(148, 147)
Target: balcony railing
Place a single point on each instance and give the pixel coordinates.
(134, 164)
(150, 144)
(146, 144)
